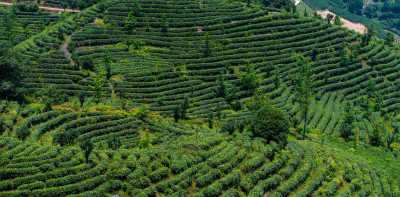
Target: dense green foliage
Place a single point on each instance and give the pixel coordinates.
(201, 98)
(381, 14)
(270, 123)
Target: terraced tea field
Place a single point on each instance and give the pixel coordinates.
(123, 67)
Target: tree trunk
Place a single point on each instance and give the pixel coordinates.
(87, 158)
(305, 123)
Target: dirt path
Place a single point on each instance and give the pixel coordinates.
(46, 8)
(358, 27)
(64, 47)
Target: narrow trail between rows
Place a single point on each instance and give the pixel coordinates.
(45, 8)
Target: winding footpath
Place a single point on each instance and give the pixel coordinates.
(45, 8)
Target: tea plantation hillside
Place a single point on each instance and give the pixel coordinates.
(164, 98)
(156, 159)
(21, 21)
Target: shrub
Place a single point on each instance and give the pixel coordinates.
(23, 132)
(114, 142)
(271, 123)
(228, 126)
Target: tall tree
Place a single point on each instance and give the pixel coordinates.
(304, 87)
(177, 113)
(135, 8)
(389, 39)
(130, 22)
(329, 18)
(337, 21)
(164, 24)
(12, 71)
(366, 38)
(389, 138)
(208, 47)
(87, 146)
(81, 97)
(355, 6)
(98, 84)
(107, 65)
(347, 124)
(249, 79)
(221, 86)
(9, 20)
(257, 101)
(185, 106)
(277, 79)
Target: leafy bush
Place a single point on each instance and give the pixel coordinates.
(23, 132)
(271, 124)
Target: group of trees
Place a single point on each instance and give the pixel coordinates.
(180, 111)
(12, 71)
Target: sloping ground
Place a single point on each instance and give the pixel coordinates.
(160, 68)
(26, 25)
(182, 162)
(358, 27)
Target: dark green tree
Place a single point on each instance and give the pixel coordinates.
(277, 79)
(98, 84)
(218, 112)
(130, 22)
(366, 38)
(177, 113)
(50, 97)
(221, 86)
(87, 63)
(257, 101)
(304, 87)
(389, 138)
(249, 79)
(107, 65)
(314, 53)
(355, 6)
(12, 71)
(389, 39)
(142, 113)
(208, 47)
(269, 68)
(65, 138)
(135, 9)
(23, 132)
(2, 125)
(228, 127)
(164, 24)
(271, 124)
(210, 119)
(375, 137)
(305, 13)
(348, 121)
(337, 21)
(87, 146)
(64, 5)
(114, 142)
(9, 20)
(368, 109)
(81, 97)
(371, 88)
(329, 18)
(185, 106)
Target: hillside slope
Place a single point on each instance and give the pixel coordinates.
(161, 55)
(159, 69)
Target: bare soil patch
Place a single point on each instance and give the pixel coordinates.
(358, 27)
